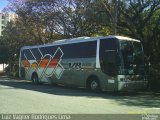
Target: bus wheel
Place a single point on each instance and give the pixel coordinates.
(35, 79)
(94, 85)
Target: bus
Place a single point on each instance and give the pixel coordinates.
(107, 63)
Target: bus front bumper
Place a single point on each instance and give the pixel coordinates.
(132, 85)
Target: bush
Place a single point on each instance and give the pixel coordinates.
(154, 77)
(12, 71)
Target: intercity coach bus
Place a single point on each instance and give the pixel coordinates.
(107, 63)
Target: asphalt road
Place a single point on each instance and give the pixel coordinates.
(21, 97)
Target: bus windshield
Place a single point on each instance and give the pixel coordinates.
(132, 57)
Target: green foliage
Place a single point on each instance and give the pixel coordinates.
(103, 32)
(4, 54)
(154, 77)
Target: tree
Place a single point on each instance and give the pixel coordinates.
(4, 53)
(139, 19)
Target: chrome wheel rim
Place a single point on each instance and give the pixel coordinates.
(94, 85)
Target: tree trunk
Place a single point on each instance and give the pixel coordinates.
(115, 13)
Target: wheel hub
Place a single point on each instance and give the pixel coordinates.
(94, 85)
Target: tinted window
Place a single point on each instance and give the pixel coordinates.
(75, 50)
(22, 55)
(36, 53)
(27, 54)
(107, 45)
(108, 56)
(80, 50)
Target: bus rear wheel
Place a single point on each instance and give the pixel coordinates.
(94, 85)
(35, 80)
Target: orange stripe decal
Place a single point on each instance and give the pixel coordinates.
(44, 63)
(25, 63)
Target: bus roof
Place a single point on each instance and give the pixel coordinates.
(81, 39)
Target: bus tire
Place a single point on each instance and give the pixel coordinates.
(35, 80)
(94, 84)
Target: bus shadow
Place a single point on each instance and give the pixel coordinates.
(144, 99)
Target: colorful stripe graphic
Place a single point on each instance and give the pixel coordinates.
(44, 63)
(54, 63)
(47, 65)
(26, 63)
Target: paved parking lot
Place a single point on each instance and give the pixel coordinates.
(20, 96)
